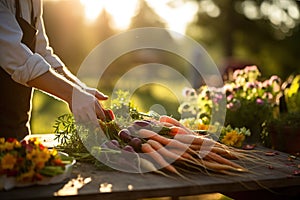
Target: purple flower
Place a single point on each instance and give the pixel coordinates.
(219, 96)
(259, 101)
(230, 105)
(230, 97)
(250, 85)
(234, 105)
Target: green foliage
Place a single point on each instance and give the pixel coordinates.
(66, 132)
(64, 126)
(75, 139)
(287, 122)
(45, 109)
(123, 107)
(240, 37)
(250, 102)
(292, 95)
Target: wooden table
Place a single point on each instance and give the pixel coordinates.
(275, 180)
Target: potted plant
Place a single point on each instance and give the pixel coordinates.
(250, 101)
(284, 129)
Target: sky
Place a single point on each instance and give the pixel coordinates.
(177, 14)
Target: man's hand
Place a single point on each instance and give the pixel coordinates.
(86, 105)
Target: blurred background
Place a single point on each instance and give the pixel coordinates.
(235, 33)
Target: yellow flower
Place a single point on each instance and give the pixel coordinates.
(2, 140)
(27, 176)
(9, 145)
(39, 165)
(29, 156)
(41, 158)
(32, 154)
(230, 138)
(18, 144)
(54, 152)
(240, 140)
(233, 138)
(8, 161)
(2, 147)
(43, 155)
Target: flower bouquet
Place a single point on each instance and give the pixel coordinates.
(29, 162)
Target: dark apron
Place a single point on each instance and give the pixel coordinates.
(15, 100)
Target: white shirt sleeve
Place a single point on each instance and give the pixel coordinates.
(15, 57)
(42, 42)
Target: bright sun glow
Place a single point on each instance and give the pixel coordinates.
(120, 10)
(177, 15)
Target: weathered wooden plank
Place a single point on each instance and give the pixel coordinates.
(273, 173)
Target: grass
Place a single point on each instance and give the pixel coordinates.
(45, 109)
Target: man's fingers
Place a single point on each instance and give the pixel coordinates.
(100, 96)
(100, 112)
(97, 94)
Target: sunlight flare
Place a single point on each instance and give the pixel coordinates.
(176, 15)
(120, 11)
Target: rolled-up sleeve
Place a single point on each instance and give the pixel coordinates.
(16, 58)
(34, 66)
(42, 42)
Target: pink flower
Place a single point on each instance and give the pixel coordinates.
(259, 101)
(234, 105)
(230, 105)
(230, 97)
(266, 83)
(250, 85)
(252, 68)
(237, 73)
(275, 79)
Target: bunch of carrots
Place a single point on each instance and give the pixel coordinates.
(167, 145)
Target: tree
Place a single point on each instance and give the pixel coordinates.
(261, 31)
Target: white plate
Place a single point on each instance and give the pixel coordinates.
(46, 139)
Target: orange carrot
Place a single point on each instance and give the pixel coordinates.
(225, 152)
(163, 140)
(148, 134)
(224, 161)
(175, 122)
(195, 140)
(171, 120)
(229, 154)
(164, 151)
(166, 124)
(184, 154)
(147, 148)
(174, 130)
(145, 164)
(217, 167)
